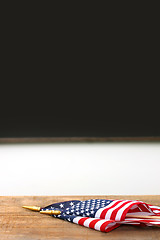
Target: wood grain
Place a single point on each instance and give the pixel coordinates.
(17, 223)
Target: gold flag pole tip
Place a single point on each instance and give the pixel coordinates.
(51, 212)
(33, 208)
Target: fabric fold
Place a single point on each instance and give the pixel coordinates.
(105, 215)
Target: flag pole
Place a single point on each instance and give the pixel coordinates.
(143, 216)
(33, 208)
(38, 209)
(51, 212)
(56, 212)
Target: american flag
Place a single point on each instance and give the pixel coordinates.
(105, 215)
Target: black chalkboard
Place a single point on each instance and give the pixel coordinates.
(49, 126)
(81, 122)
(83, 88)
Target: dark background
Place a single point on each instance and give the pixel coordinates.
(49, 126)
(80, 117)
(79, 75)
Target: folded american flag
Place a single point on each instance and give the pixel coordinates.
(106, 215)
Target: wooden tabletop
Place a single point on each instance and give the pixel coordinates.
(17, 223)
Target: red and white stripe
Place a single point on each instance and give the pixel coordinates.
(155, 209)
(118, 209)
(102, 225)
(115, 214)
(149, 222)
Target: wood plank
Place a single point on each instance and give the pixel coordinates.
(17, 223)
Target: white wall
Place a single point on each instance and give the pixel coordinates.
(80, 169)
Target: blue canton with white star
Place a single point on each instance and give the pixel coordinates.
(71, 209)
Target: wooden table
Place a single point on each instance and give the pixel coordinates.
(18, 223)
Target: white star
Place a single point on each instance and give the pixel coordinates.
(61, 205)
(71, 203)
(69, 219)
(92, 212)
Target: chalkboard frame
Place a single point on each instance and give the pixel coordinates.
(78, 139)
